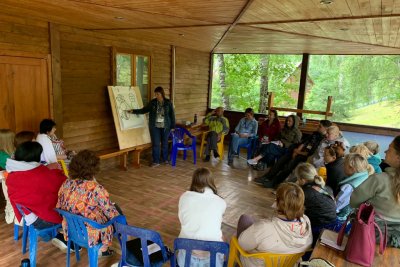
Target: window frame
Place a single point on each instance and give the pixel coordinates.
(133, 54)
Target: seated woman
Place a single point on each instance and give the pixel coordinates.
(357, 170)
(382, 190)
(24, 136)
(6, 146)
(81, 194)
(200, 213)
(366, 153)
(334, 164)
(20, 138)
(320, 206)
(33, 186)
(247, 127)
(269, 130)
(53, 148)
(289, 135)
(333, 135)
(375, 159)
(288, 231)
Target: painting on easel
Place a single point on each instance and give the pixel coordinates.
(132, 129)
(126, 99)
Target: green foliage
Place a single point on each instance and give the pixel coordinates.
(353, 81)
(242, 80)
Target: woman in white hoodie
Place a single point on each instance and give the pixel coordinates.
(200, 213)
(287, 232)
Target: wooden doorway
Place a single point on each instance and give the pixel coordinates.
(24, 90)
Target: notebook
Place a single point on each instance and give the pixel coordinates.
(329, 238)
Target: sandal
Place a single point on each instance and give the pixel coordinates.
(106, 254)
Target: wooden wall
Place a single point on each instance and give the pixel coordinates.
(22, 37)
(191, 84)
(86, 69)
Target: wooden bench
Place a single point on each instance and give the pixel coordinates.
(123, 154)
(308, 128)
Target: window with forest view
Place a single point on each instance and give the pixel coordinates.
(133, 70)
(243, 80)
(365, 89)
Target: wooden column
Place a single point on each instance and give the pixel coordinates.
(303, 83)
(210, 80)
(173, 71)
(56, 77)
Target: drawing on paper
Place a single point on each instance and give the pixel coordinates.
(126, 99)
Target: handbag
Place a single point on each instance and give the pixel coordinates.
(360, 248)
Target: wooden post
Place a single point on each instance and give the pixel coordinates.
(303, 83)
(270, 101)
(56, 77)
(173, 72)
(328, 107)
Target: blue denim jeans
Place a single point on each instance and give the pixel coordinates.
(159, 136)
(235, 142)
(199, 262)
(133, 261)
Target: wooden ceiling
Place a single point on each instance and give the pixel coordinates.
(233, 26)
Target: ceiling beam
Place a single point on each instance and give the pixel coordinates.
(318, 19)
(160, 27)
(246, 6)
(322, 37)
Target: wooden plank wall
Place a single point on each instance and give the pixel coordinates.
(22, 37)
(85, 72)
(191, 85)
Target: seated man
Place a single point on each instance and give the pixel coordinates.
(218, 125)
(247, 127)
(296, 153)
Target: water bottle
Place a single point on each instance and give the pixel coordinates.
(195, 119)
(25, 263)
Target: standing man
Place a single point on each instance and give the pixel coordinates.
(218, 125)
(161, 122)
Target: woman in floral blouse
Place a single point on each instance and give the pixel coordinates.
(81, 194)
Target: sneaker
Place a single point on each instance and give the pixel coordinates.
(154, 165)
(259, 180)
(61, 244)
(216, 155)
(230, 162)
(252, 162)
(268, 184)
(207, 158)
(106, 254)
(167, 162)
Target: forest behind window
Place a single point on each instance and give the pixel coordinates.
(365, 89)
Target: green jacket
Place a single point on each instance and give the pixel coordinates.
(3, 158)
(217, 124)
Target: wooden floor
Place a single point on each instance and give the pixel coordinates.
(149, 198)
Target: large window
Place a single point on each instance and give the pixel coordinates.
(365, 89)
(133, 70)
(242, 80)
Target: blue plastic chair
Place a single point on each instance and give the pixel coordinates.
(178, 143)
(123, 231)
(250, 146)
(46, 234)
(188, 245)
(77, 233)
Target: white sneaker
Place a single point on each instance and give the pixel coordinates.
(252, 161)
